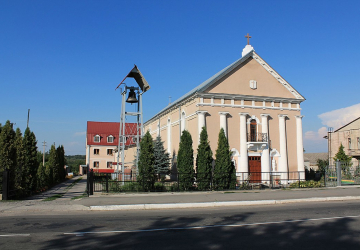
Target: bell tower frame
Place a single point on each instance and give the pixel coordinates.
(126, 136)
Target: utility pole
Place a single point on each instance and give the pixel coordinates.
(44, 144)
(27, 124)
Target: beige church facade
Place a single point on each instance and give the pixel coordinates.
(259, 111)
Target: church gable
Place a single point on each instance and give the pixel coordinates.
(253, 77)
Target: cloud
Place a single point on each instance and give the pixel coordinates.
(316, 135)
(80, 133)
(340, 117)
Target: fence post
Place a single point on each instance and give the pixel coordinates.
(178, 182)
(91, 182)
(5, 185)
(338, 172)
(107, 183)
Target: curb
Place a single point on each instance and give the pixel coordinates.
(218, 204)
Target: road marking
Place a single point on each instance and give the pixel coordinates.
(209, 226)
(14, 235)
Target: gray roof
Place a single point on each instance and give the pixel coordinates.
(313, 157)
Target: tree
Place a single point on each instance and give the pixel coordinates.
(344, 159)
(204, 162)
(31, 164)
(341, 156)
(8, 151)
(146, 163)
(41, 177)
(322, 165)
(61, 162)
(185, 162)
(161, 159)
(224, 171)
(19, 146)
(53, 167)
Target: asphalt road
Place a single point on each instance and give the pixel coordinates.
(327, 225)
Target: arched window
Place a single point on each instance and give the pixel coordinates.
(253, 130)
(182, 121)
(169, 135)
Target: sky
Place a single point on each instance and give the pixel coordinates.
(63, 59)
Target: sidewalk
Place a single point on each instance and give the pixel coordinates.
(217, 198)
(141, 201)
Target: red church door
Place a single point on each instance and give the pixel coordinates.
(255, 169)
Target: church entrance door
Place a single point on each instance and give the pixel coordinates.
(255, 169)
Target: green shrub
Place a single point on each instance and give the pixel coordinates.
(306, 184)
(159, 187)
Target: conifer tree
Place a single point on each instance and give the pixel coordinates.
(146, 177)
(61, 162)
(31, 164)
(41, 177)
(341, 156)
(224, 170)
(344, 159)
(185, 162)
(161, 159)
(204, 161)
(19, 158)
(53, 166)
(8, 151)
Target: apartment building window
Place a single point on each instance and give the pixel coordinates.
(109, 164)
(349, 143)
(358, 142)
(96, 151)
(97, 138)
(96, 164)
(110, 139)
(109, 151)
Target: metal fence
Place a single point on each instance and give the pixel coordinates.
(119, 182)
(342, 174)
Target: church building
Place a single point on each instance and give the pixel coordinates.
(258, 110)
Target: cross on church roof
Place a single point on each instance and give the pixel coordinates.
(248, 37)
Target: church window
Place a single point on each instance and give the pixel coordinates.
(253, 130)
(182, 121)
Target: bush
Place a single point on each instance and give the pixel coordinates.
(306, 184)
(159, 187)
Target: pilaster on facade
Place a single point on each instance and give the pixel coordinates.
(244, 164)
(201, 121)
(300, 146)
(283, 161)
(265, 156)
(223, 121)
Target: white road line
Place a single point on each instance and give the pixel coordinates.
(209, 226)
(14, 235)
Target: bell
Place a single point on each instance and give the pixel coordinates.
(132, 97)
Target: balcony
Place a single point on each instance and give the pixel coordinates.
(258, 137)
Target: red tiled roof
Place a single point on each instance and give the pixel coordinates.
(105, 129)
